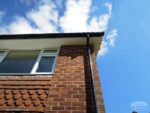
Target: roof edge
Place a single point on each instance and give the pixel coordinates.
(51, 35)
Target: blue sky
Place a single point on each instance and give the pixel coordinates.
(125, 69)
(124, 60)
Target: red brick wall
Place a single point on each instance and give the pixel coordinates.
(71, 87)
(69, 90)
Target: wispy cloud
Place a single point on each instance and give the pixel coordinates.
(45, 17)
(2, 14)
(108, 42)
(110, 37)
(109, 6)
(28, 2)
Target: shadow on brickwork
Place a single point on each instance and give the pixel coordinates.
(88, 84)
(73, 52)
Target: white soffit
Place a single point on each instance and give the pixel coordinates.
(34, 44)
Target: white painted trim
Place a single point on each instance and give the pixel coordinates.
(38, 44)
(3, 55)
(36, 63)
(58, 50)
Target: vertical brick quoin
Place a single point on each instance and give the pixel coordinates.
(71, 86)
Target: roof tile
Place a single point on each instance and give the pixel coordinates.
(36, 103)
(24, 93)
(25, 97)
(1, 96)
(10, 102)
(31, 92)
(27, 103)
(2, 102)
(40, 92)
(43, 96)
(9, 96)
(34, 97)
(17, 96)
(15, 92)
(18, 102)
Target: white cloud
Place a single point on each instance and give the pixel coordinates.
(21, 26)
(44, 18)
(108, 42)
(103, 49)
(109, 6)
(111, 36)
(28, 2)
(76, 16)
(100, 23)
(60, 3)
(2, 14)
(94, 9)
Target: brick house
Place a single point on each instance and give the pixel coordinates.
(50, 73)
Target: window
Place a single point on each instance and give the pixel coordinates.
(33, 62)
(44, 62)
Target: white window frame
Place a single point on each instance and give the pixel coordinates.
(35, 66)
(42, 54)
(3, 55)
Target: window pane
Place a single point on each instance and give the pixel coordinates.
(19, 62)
(46, 64)
(1, 57)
